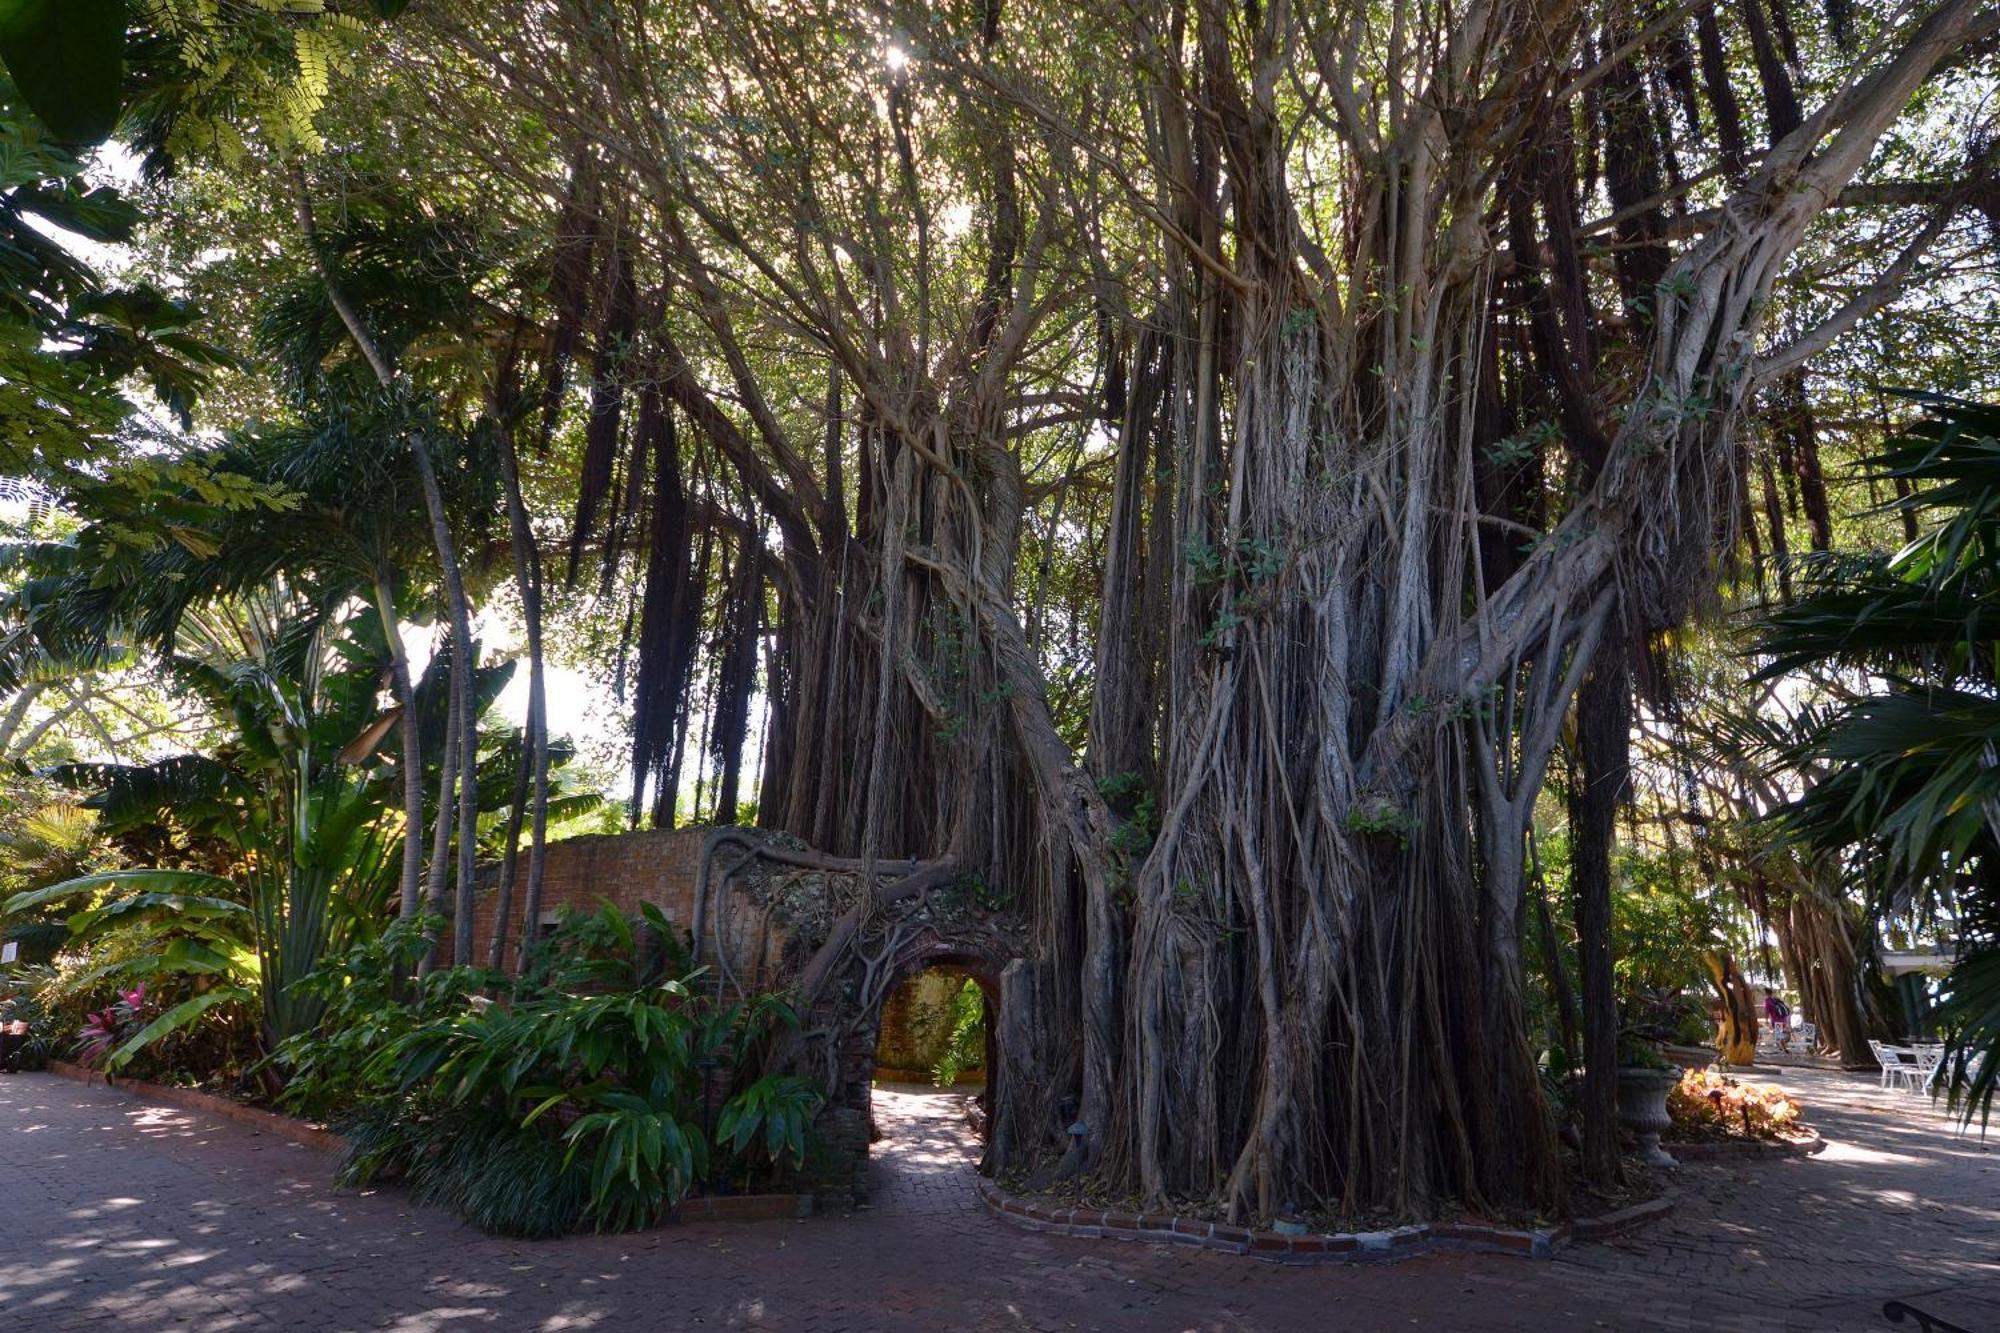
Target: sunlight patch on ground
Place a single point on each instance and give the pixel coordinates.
(159, 1117)
(1849, 1152)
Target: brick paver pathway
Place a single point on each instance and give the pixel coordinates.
(120, 1214)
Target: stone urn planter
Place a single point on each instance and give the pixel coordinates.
(1642, 1108)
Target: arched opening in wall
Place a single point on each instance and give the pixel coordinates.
(929, 1088)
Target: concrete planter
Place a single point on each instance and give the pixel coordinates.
(1642, 1108)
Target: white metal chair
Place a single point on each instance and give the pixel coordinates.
(1899, 1064)
(1930, 1058)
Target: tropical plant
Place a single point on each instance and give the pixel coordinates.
(111, 1027)
(370, 1000)
(22, 1000)
(1904, 765)
(623, 1076)
(44, 840)
(308, 847)
(770, 1120)
(68, 340)
(965, 1039)
(588, 1084)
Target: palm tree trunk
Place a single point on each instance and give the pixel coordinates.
(465, 721)
(528, 573)
(412, 761)
(441, 829)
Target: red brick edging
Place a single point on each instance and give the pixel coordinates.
(1751, 1149)
(745, 1208)
(268, 1122)
(1343, 1247)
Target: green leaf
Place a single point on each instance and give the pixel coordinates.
(201, 887)
(98, 214)
(180, 1016)
(388, 9)
(67, 57)
(191, 955)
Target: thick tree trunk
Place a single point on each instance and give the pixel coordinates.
(1307, 991)
(1816, 942)
(1737, 1010)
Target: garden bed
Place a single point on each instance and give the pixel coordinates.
(1737, 1148)
(702, 1208)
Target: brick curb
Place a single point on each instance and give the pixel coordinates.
(1606, 1226)
(267, 1122)
(745, 1208)
(1343, 1247)
(1748, 1149)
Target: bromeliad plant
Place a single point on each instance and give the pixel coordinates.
(1709, 1104)
(110, 1026)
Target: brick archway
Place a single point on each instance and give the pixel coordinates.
(757, 912)
(846, 1125)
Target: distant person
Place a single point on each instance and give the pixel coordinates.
(1776, 1012)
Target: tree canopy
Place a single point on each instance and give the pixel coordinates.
(1190, 468)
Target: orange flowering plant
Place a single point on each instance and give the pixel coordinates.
(1707, 1104)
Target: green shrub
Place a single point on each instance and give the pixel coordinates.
(769, 1121)
(966, 1048)
(480, 1167)
(21, 999)
(543, 1109)
(370, 1001)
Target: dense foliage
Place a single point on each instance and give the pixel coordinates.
(596, 1091)
(1904, 760)
(1264, 492)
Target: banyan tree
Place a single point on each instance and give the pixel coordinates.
(1334, 388)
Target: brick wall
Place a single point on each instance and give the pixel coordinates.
(660, 867)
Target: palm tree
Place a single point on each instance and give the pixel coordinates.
(1908, 765)
(385, 282)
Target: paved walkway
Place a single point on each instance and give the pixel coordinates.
(116, 1213)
